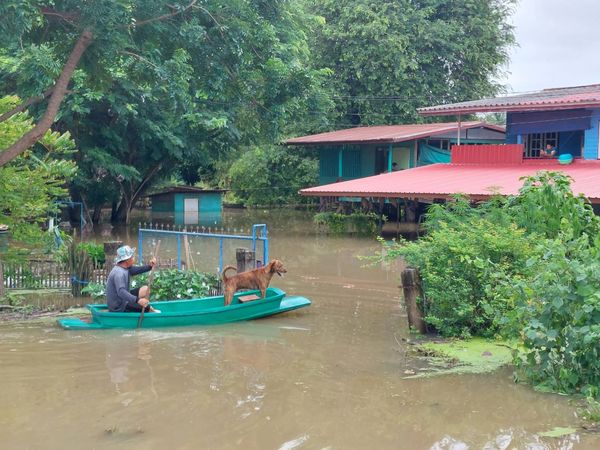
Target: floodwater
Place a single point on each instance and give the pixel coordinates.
(325, 377)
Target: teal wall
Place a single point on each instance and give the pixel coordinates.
(210, 202)
(207, 202)
(162, 203)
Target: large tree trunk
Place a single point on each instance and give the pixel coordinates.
(58, 94)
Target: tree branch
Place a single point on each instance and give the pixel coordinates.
(164, 16)
(139, 58)
(26, 104)
(58, 94)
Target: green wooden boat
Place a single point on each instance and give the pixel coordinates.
(201, 311)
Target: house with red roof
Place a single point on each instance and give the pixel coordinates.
(364, 151)
(568, 119)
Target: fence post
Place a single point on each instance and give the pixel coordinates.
(411, 286)
(245, 259)
(1, 279)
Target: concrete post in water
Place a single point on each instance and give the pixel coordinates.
(245, 259)
(411, 286)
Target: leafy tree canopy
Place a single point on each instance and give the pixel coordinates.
(159, 84)
(392, 57)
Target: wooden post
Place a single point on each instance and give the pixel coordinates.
(411, 286)
(245, 259)
(1, 279)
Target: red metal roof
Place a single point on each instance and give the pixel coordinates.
(547, 99)
(385, 134)
(476, 180)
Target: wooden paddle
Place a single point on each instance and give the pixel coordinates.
(150, 278)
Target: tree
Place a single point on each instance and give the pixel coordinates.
(391, 57)
(160, 84)
(266, 176)
(32, 182)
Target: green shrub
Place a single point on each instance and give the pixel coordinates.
(94, 251)
(174, 284)
(558, 310)
(527, 267)
(459, 267)
(357, 222)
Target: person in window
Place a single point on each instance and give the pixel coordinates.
(395, 167)
(118, 296)
(548, 152)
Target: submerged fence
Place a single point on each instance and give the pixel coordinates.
(201, 248)
(49, 274)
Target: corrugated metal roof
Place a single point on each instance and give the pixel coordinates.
(186, 190)
(385, 134)
(547, 99)
(477, 181)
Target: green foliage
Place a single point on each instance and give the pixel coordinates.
(558, 310)
(357, 222)
(391, 57)
(173, 284)
(95, 290)
(591, 411)
(170, 284)
(30, 184)
(546, 205)
(272, 175)
(460, 265)
(94, 251)
(527, 267)
(154, 92)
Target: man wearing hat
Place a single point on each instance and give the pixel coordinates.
(118, 296)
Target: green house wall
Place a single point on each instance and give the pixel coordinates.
(211, 202)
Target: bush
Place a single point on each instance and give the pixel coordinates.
(357, 222)
(528, 268)
(459, 267)
(272, 176)
(559, 316)
(94, 251)
(174, 284)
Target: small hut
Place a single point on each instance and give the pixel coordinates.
(188, 205)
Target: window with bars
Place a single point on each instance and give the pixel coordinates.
(535, 142)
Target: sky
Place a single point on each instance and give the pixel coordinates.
(559, 44)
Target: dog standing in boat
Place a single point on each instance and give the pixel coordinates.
(253, 279)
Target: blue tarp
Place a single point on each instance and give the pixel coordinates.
(432, 155)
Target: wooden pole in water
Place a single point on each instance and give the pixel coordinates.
(1, 279)
(411, 287)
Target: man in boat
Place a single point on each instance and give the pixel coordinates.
(118, 295)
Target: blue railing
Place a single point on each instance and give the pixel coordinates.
(259, 235)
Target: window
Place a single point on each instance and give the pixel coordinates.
(444, 144)
(536, 141)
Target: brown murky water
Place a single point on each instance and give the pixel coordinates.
(325, 377)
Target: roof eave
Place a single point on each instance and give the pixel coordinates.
(412, 137)
(505, 108)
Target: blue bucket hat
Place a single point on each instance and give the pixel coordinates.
(124, 253)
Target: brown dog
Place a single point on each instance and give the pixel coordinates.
(253, 279)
